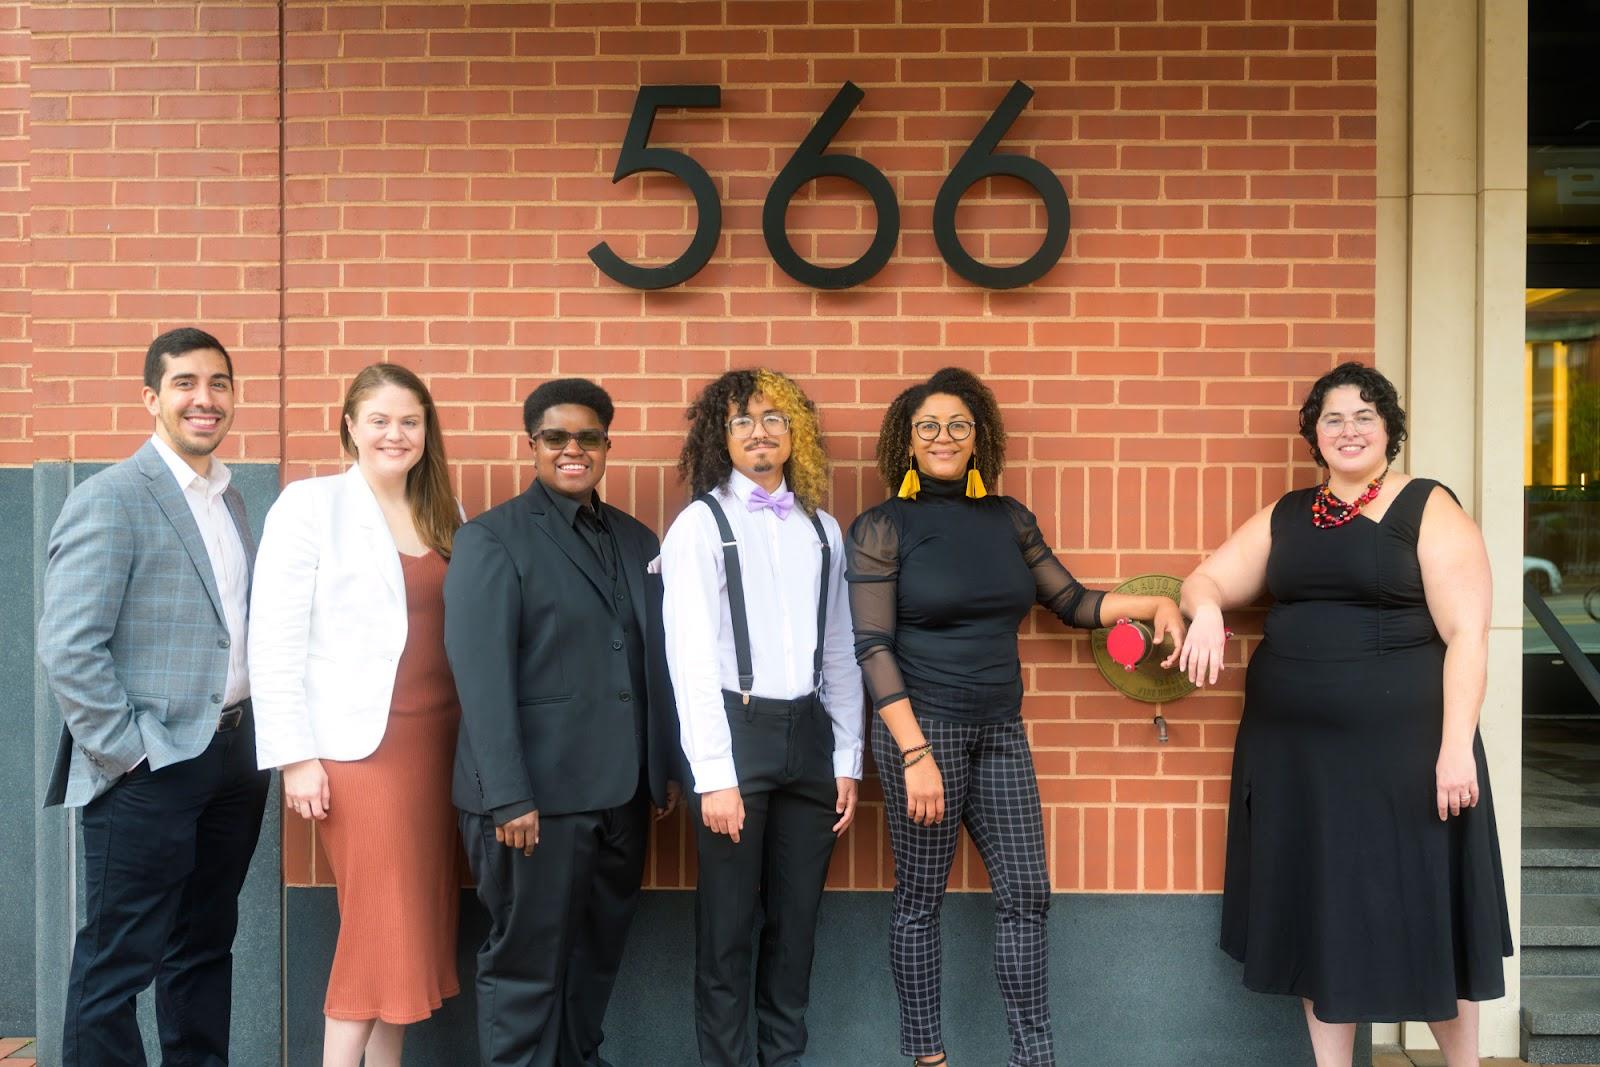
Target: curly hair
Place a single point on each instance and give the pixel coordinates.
(1375, 390)
(894, 438)
(704, 463)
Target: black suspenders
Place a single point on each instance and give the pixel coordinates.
(736, 606)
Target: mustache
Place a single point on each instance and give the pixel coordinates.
(764, 441)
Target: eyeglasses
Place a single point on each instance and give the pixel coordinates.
(775, 423)
(959, 429)
(1364, 423)
(588, 440)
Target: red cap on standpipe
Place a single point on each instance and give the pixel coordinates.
(1129, 643)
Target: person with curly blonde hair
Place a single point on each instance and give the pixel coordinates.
(769, 702)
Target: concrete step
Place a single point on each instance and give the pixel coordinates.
(1566, 919)
(1560, 846)
(1557, 961)
(1560, 880)
(1561, 1020)
(1560, 1049)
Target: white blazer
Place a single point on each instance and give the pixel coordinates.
(327, 623)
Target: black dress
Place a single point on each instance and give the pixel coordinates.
(1342, 884)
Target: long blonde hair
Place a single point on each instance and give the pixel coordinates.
(433, 505)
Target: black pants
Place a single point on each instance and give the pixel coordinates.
(558, 920)
(165, 854)
(783, 752)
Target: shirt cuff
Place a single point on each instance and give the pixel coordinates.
(506, 812)
(883, 702)
(713, 774)
(847, 763)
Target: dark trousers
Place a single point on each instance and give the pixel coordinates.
(165, 854)
(990, 788)
(558, 920)
(783, 752)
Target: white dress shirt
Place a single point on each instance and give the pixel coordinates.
(780, 561)
(226, 552)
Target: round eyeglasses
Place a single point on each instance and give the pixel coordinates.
(958, 429)
(1363, 422)
(774, 423)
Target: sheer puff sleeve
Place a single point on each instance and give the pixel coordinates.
(873, 571)
(1058, 590)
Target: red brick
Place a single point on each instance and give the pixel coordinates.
(445, 224)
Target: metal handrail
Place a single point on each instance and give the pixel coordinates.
(1576, 658)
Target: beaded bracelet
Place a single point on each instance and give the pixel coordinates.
(918, 758)
(916, 748)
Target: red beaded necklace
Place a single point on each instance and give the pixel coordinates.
(1328, 511)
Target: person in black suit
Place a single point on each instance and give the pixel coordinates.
(568, 734)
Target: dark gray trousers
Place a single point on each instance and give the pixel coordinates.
(558, 921)
(783, 752)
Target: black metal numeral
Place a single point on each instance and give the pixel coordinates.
(635, 157)
(809, 163)
(979, 161)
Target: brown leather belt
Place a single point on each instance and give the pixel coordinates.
(232, 716)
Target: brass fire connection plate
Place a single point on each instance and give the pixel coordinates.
(1146, 682)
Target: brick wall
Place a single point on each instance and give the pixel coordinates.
(446, 168)
(16, 402)
(154, 202)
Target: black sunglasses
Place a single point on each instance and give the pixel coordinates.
(588, 440)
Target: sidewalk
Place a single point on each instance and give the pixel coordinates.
(16, 1052)
(1389, 1056)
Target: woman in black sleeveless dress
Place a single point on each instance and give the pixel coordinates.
(1363, 869)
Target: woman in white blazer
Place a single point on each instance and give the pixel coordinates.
(355, 703)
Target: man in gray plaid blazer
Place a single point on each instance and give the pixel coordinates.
(142, 640)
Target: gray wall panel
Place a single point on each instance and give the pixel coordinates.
(1136, 981)
(16, 757)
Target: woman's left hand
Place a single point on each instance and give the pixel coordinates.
(1455, 781)
(1168, 621)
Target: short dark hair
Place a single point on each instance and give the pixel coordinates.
(176, 343)
(1375, 390)
(566, 391)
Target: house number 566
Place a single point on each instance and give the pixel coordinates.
(812, 160)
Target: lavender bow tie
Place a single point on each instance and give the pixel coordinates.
(781, 503)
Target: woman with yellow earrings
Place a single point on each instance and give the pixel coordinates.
(941, 576)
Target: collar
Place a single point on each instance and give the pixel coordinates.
(944, 488)
(568, 508)
(741, 486)
(185, 475)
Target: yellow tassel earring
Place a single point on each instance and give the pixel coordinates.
(911, 485)
(975, 487)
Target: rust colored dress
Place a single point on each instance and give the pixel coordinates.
(391, 837)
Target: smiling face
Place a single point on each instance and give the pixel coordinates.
(570, 469)
(760, 456)
(389, 430)
(194, 406)
(1351, 435)
(944, 456)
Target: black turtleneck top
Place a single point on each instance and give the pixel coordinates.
(939, 586)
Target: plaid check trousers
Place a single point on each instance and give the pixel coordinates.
(990, 789)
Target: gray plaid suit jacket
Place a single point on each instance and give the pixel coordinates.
(133, 639)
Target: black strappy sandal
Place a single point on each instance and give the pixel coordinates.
(918, 1061)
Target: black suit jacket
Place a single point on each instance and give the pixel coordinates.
(536, 645)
